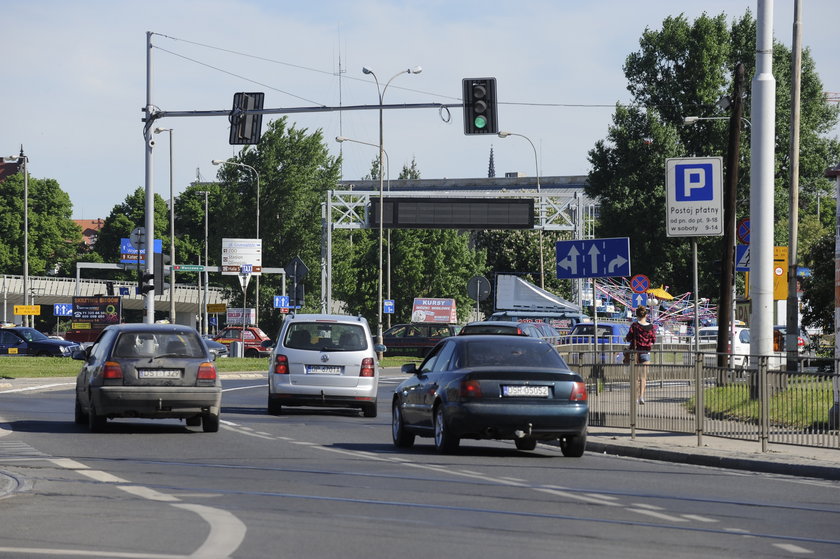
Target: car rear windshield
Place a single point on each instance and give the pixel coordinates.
(326, 336)
(514, 353)
(490, 329)
(158, 344)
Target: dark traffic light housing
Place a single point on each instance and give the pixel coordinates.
(157, 277)
(480, 114)
(246, 129)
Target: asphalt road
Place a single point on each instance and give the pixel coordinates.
(328, 483)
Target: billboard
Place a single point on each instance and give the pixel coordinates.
(101, 311)
(441, 311)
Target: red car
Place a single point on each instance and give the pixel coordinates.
(252, 336)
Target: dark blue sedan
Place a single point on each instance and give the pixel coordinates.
(491, 387)
(29, 341)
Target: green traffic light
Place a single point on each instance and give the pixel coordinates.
(480, 121)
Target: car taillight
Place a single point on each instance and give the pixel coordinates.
(112, 370)
(367, 369)
(281, 365)
(206, 371)
(470, 389)
(578, 392)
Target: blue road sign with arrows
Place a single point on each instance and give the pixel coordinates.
(281, 301)
(63, 309)
(593, 258)
(639, 300)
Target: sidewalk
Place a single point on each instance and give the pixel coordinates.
(719, 452)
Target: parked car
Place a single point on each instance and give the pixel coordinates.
(740, 343)
(608, 333)
(491, 387)
(803, 342)
(252, 336)
(507, 327)
(216, 348)
(415, 339)
(324, 360)
(151, 371)
(20, 340)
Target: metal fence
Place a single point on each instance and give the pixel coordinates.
(762, 399)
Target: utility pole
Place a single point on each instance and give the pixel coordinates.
(727, 271)
(792, 325)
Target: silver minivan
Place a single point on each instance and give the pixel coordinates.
(325, 360)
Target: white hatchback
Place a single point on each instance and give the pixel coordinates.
(740, 343)
(325, 360)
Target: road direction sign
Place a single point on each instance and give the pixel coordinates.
(639, 283)
(63, 309)
(593, 258)
(281, 301)
(188, 268)
(236, 252)
(694, 188)
(388, 306)
(639, 300)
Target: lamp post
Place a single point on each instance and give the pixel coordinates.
(206, 276)
(23, 160)
(341, 139)
(171, 229)
(504, 134)
(228, 162)
(381, 92)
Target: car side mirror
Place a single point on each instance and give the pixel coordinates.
(409, 369)
(379, 348)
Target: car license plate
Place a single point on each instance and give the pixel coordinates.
(527, 391)
(323, 370)
(159, 373)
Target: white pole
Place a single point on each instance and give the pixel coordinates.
(762, 144)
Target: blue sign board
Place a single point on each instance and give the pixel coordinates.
(593, 258)
(129, 254)
(63, 309)
(388, 306)
(246, 269)
(639, 300)
(125, 291)
(742, 258)
(281, 301)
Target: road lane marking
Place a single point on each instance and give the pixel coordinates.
(34, 388)
(698, 518)
(226, 531)
(790, 548)
(577, 496)
(658, 515)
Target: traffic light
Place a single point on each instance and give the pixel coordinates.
(160, 277)
(109, 288)
(480, 115)
(246, 129)
(297, 299)
(143, 280)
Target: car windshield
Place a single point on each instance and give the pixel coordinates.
(158, 344)
(489, 329)
(31, 334)
(512, 353)
(323, 336)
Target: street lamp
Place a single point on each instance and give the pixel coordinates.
(23, 160)
(504, 134)
(341, 139)
(206, 263)
(381, 93)
(228, 162)
(171, 229)
(694, 119)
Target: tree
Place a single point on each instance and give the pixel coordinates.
(681, 70)
(53, 237)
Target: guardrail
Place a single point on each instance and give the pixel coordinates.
(762, 398)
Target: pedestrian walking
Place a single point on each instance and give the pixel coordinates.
(641, 336)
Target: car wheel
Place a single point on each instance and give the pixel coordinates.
(401, 438)
(445, 442)
(573, 446)
(80, 418)
(369, 410)
(194, 421)
(526, 443)
(274, 407)
(210, 423)
(251, 353)
(96, 423)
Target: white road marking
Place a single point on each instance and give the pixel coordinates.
(790, 548)
(658, 515)
(148, 493)
(698, 518)
(41, 387)
(577, 496)
(226, 531)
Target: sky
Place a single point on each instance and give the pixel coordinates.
(75, 78)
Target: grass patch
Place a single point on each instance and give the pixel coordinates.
(802, 405)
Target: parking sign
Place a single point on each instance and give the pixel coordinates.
(695, 196)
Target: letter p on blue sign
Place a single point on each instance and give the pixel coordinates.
(694, 182)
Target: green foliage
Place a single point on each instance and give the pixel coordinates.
(53, 237)
(818, 290)
(681, 70)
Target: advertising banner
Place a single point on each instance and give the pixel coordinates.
(434, 310)
(97, 310)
